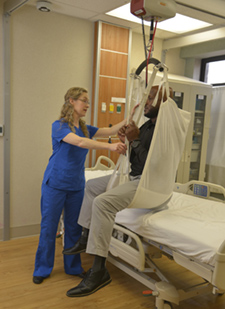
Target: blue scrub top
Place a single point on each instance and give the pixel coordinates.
(65, 170)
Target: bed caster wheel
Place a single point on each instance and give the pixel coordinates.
(164, 305)
(167, 305)
(217, 292)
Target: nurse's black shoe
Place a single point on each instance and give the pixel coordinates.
(92, 282)
(38, 279)
(77, 248)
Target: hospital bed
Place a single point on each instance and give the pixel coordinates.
(190, 229)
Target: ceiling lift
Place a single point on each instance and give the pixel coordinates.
(153, 11)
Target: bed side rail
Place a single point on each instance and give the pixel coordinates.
(219, 272)
(101, 165)
(202, 189)
(133, 256)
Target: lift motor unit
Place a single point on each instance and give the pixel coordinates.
(153, 9)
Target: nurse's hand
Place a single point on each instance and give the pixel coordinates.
(118, 147)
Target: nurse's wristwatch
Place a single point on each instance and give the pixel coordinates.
(135, 143)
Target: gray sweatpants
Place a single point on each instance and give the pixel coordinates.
(99, 209)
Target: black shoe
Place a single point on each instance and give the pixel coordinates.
(77, 248)
(92, 282)
(38, 279)
(81, 275)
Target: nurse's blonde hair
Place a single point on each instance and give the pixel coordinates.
(68, 110)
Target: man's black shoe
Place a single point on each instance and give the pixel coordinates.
(81, 275)
(92, 282)
(77, 248)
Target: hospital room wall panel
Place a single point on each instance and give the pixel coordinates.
(110, 71)
(114, 38)
(113, 64)
(111, 88)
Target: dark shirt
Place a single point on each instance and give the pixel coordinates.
(139, 154)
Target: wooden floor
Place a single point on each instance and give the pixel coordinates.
(17, 291)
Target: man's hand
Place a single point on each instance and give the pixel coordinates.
(121, 133)
(132, 132)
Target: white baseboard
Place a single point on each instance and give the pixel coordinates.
(22, 231)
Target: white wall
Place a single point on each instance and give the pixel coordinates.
(50, 53)
(175, 64)
(137, 50)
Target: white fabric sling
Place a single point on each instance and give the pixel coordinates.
(159, 174)
(122, 168)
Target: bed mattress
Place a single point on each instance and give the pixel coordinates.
(189, 225)
(90, 174)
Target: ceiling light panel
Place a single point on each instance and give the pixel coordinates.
(178, 24)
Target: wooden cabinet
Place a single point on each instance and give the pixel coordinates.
(112, 45)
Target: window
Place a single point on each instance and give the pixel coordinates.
(213, 70)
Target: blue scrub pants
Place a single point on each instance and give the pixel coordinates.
(53, 201)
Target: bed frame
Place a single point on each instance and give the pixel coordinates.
(134, 255)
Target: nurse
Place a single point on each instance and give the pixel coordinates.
(64, 180)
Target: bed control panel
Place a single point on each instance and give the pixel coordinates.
(200, 190)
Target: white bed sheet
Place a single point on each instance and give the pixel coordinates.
(90, 174)
(190, 225)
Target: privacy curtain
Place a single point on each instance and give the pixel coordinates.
(216, 144)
